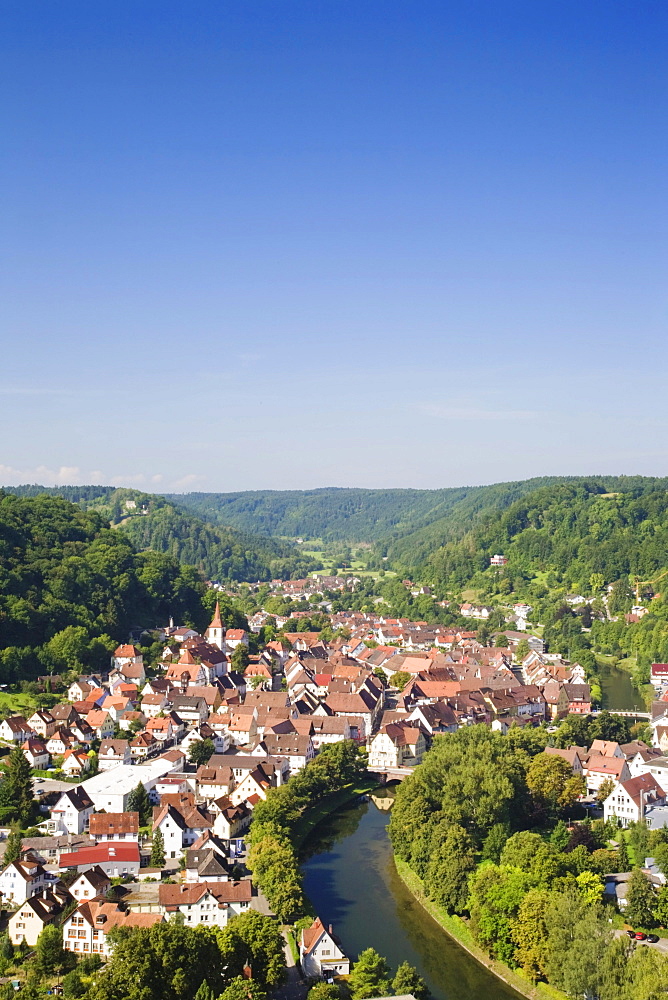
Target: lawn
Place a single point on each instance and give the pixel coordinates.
(17, 704)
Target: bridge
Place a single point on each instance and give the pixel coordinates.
(390, 774)
(626, 713)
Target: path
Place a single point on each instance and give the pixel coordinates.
(294, 987)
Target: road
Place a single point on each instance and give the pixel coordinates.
(661, 944)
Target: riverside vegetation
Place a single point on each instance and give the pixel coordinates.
(481, 824)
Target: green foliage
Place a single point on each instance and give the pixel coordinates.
(16, 789)
(201, 751)
(138, 801)
(578, 938)
(400, 679)
(256, 940)
(370, 976)
(13, 848)
(449, 869)
(243, 989)
(72, 587)
(552, 784)
(162, 962)
(73, 986)
(324, 991)
(409, 981)
(51, 956)
(157, 850)
(640, 900)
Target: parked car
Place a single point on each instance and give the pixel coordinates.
(640, 936)
(631, 934)
(652, 938)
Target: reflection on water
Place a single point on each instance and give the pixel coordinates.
(354, 885)
(618, 691)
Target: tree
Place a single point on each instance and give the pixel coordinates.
(158, 850)
(255, 940)
(242, 988)
(204, 992)
(552, 784)
(16, 790)
(494, 842)
(522, 649)
(138, 801)
(623, 854)
(408, 980)
(640, 900)
(13, 848)
(324, 991)
(496, 893)
(201, 751)
(577, 938)
(51, 955)
(530, 933)
(400, 679)
(560, 835)
(370, 976)
(73, 986)
(606, 787)
(240, 658)
(449, 870)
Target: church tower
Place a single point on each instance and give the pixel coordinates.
(215, 634)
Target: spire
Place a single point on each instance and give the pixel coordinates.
(217, 621)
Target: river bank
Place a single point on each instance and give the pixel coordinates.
(308, 821)
(460, 932)
(351, 876)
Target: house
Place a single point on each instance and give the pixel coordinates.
(630, 800)
(125, 654)
(113, 752)
(15, 729)
(296, 749)
(230, 821)
(578, 698)
(42, 723)
(153, 705)
(236, 637)
(399, 744)
(101, 723)
(75, 762)
(114, 859)
(192, 711)
(23, 878)
(73, 810)
(123, 827)
(85, 931)
(142, 745)
(91, 883)
(180, 824)
(213, 782)
(26, 925)
(209, 903)
(659, 676)
(320, 953)
(598, 768)
(206, 865)
(36, 754)
(161, 729)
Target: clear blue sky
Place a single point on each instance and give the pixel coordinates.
(294, 243)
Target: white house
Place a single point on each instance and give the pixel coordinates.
(21, 879)
(85, 931)
(26, 925)
(209, 903)
(399, 744)
(630, 800)
(113, 752)
(320, 953)
(72, 811)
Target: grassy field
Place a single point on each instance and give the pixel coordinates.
(459, 930)
(17, 704)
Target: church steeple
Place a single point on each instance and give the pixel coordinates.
(215, 634)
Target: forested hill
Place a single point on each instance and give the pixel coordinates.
(349, 515)
(572, 529)
(71, 588)
(154, 522)
(220, 553)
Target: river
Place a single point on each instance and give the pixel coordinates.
(618, 691)
(351, 880)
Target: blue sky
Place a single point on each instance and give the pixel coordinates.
(294, 243)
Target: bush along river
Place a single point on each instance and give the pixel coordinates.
(351, 879)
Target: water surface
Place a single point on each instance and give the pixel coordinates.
(352, 881)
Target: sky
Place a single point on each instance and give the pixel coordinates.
(252, 244)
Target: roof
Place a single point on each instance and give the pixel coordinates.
(101, 854)
(102, 824)
(126, 650)
(174, 896)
